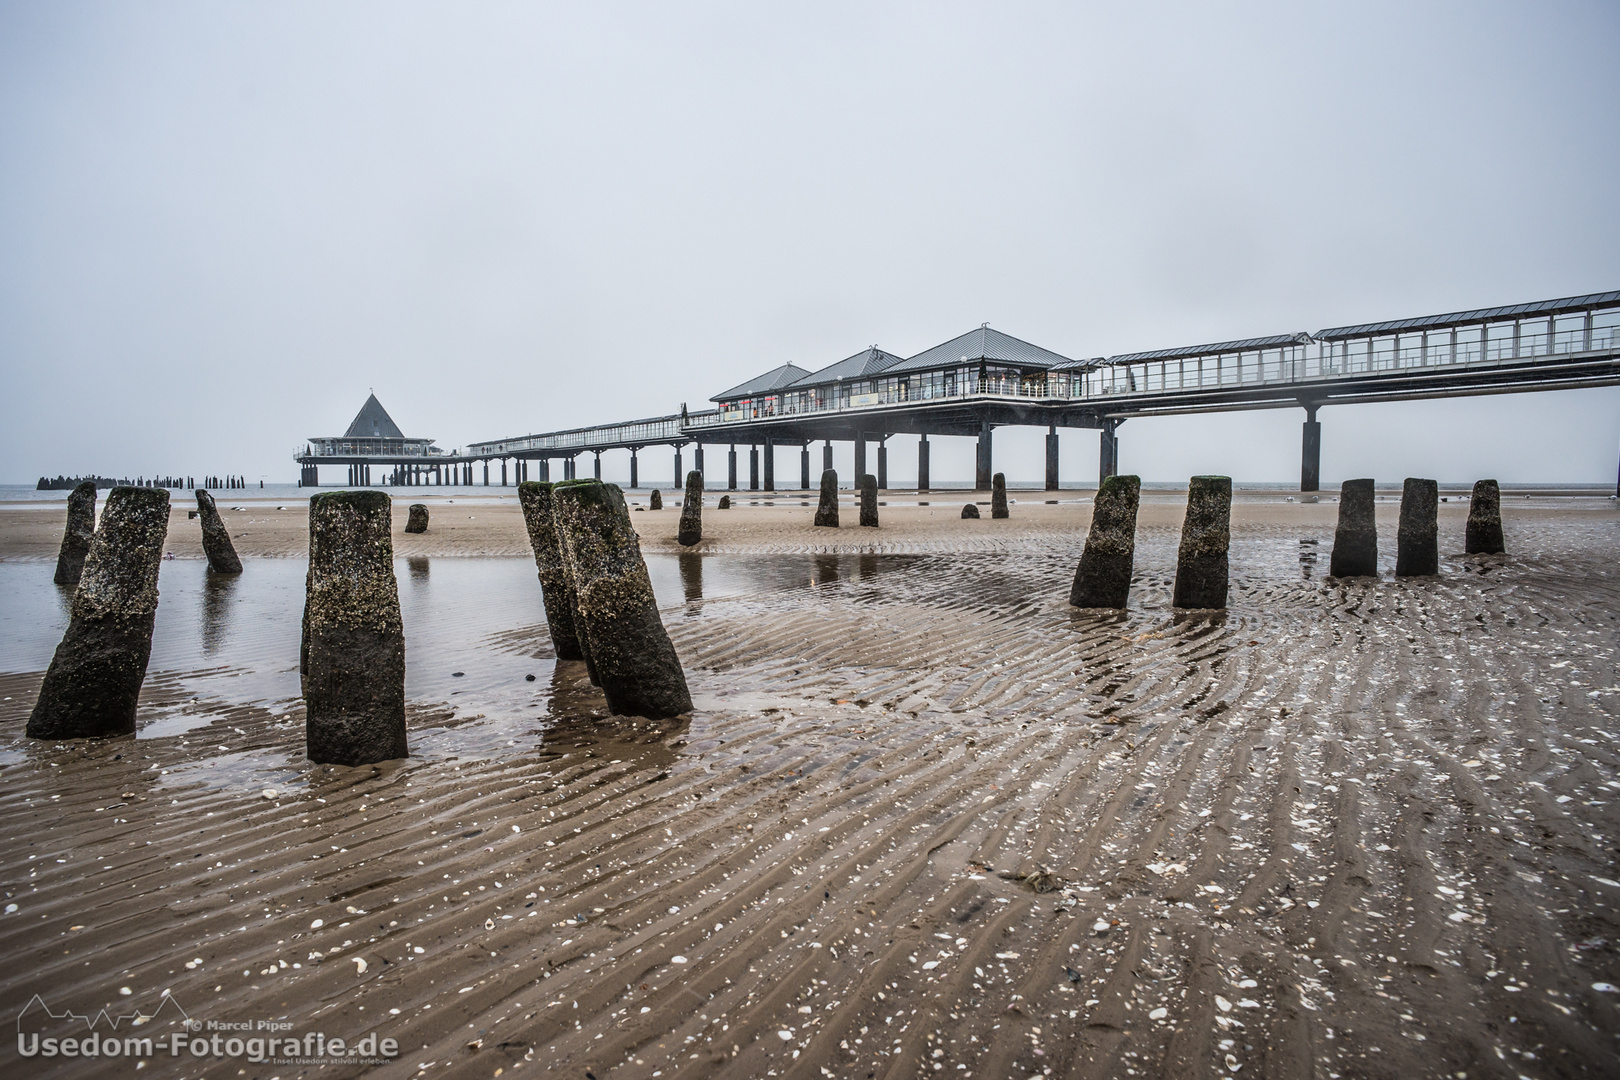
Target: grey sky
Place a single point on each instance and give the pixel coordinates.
(221, 224)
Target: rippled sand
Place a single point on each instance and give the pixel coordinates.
(1353, 829)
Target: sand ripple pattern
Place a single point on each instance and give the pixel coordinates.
(1352, 829)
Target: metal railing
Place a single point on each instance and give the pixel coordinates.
(365, 448)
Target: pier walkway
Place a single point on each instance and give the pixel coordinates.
(986, 379)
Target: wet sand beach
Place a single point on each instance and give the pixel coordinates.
(925, 818)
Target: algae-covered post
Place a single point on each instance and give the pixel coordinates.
(1206, 534)
(1103, 578)
(655, 501)
(1417, 543)
(1485, 520)
(417, 520)
(1355, 540)
(970, 511)
(635, 661)
(827, 508)
(81, 526)
(216, 538)
(691, 528)
(354, 685)
(556, 587)
(998, 495)
(95, 677)
(869, 490)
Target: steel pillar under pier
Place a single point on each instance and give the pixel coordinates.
(635, 470)
(486, 472)
(545, 470)
(860, 458)
(697, 459)
(731, 468)
(922, 463)
(1310, 465)
(680, 481)
(826, 455)
(753, 468)
(983, 465)
(1108, 451)
(1051, 458)
(804, 467)
(770, 465)
(883, 464)
(503, 472)
(596, 465)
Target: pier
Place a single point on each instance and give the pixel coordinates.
(986, 379)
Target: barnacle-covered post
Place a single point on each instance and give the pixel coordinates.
(216, 538)
(95, 677)
(1103, 578)
(1206, 534)
(81, 526)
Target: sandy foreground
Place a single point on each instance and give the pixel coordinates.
(925, 819)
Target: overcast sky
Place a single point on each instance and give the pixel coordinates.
(222, 224)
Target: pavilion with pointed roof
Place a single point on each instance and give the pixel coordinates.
(372, 439)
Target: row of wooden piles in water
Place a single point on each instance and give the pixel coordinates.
(598, 597)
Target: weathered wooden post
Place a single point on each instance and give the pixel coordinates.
(655, 501)
(1485, 520)
(1206, 534)
(970, 511)
(81, 526)
(724, 503)
(556, 587)
(998, 496)
(869, 490)
(1417, 547)
(827, 508)
(95, 677)
(417, 520)
(635, 661)
(216, 538)
(354, 638)
(1103, 578)
(691, 529)
(1355, 540)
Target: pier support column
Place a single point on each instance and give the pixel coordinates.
(635, 470)
(804, 467)
(1310, 466)
(983, 466)
(680, 477)
(503, 472)
(697, 458)
(753, 467)
(883, 464)
(486, 472)
(770, 464)
(860, 457)
(826, 455)
(596, 465)
(1108, 451)
(545, 470)
(922, 463)
(731, 468)
(1051, 457)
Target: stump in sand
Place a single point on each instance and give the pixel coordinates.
(1417, 547)
(1355, 541)
(81, 526)
(724, 503)
(556, 587)
(216, 538)
(418, 519)
(354, 638)
(998, 495)
(635, 661)
(970, 511)
(869, 516)
(691, 530)
(1103, 578)
(1485, 520)
(655, 501)
(1206, 534)
(827, 508)
(95, 677)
